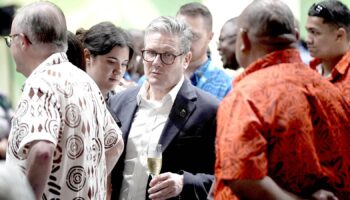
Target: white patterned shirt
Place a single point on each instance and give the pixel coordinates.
(62, 104)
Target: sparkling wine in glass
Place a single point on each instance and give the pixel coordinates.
(154, 159)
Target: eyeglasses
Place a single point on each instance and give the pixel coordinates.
(8, 39)
(166, 58)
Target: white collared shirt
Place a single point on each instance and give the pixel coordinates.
(146, 128)
(61, 104)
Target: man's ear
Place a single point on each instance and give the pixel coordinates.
(24, 41)
(297, 34)
(211, 35)
(245, 45)
(341, 33)
(188, 58)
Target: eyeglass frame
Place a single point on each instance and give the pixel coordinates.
(160, 55)
(8, 39)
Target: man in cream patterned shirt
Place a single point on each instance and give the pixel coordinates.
(62, 135)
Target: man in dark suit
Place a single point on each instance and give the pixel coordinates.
(167, 109)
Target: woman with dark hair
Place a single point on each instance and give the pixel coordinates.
(107, 51)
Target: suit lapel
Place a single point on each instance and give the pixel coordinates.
(127, 113)
(184, 105)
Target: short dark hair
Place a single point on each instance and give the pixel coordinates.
(196, 9)
(101, 38)
(332, 12)
(75, 52)
(270, 23)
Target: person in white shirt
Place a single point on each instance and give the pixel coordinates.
(62, 135)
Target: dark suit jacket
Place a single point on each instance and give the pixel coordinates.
(188, 138)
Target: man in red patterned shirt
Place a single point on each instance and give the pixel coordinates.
(328, 27)
(282, 131)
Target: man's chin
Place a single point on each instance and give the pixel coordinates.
(153, 80)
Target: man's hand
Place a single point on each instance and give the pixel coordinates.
(165, 186)
(323, 195)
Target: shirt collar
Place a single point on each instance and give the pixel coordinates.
(143, 93)
(203, 67)
(339, 69)
(54, 59)
(342, 66)
(277, 57)
(195, 77)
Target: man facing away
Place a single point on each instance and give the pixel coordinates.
(328, 28)
(62, 135)
(202, 71)
(283, 130)
(168, 110)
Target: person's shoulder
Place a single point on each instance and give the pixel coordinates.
(282, 79)
(219, 71)
(291, 72)
(206, 97)
(219, 75)
(122, 96)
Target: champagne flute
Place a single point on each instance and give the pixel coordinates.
(154, 159)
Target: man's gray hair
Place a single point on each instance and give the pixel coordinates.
(44, 23)
(173, 26)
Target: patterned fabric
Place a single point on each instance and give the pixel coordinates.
(212, 79)
(63, 105)
(340, 75)
(284, 121)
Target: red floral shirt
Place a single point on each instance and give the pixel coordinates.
(340, 75)
(285, 121)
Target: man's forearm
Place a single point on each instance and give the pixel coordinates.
(39, 163)
(113, 154)
(265, 188)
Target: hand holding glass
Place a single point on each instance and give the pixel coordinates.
(154, 159)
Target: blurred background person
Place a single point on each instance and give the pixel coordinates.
(135, 69)
(107, 51)
(6, 113)
(302, 46)
(227, 45)
(202, 71)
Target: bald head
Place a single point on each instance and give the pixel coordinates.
(44, 23)
(269, 23)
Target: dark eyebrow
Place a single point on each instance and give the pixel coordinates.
(111, 57)
(116, 59)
